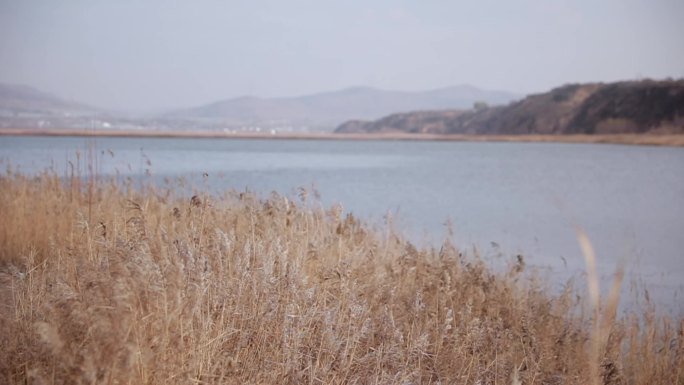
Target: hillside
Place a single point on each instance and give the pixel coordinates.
(333, 108)
(21, 100)
(596, 108)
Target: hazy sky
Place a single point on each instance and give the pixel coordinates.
(142, 55)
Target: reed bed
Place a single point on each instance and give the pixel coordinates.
(107, 284)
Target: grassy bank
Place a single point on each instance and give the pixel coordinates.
(102, 283)
(674, 140)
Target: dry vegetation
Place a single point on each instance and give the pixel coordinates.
(673, 140)
(108, 284)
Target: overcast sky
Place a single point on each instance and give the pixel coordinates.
(144, 55)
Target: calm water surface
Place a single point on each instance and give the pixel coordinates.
(501, 198)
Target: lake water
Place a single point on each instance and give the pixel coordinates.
(501, 198)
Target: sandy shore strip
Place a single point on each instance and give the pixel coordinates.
(676, 140)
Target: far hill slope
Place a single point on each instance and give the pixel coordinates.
(18, 100)
(597, 108)
(333, 108)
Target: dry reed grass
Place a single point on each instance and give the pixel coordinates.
(160, 289)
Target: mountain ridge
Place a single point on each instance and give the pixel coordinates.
(26, 106)
(334, 107)
(23, 99)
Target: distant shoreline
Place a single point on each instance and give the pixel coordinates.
(673, 140)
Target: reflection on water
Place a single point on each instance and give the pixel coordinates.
(503, 198)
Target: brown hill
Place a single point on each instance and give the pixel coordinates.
(596, 108)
